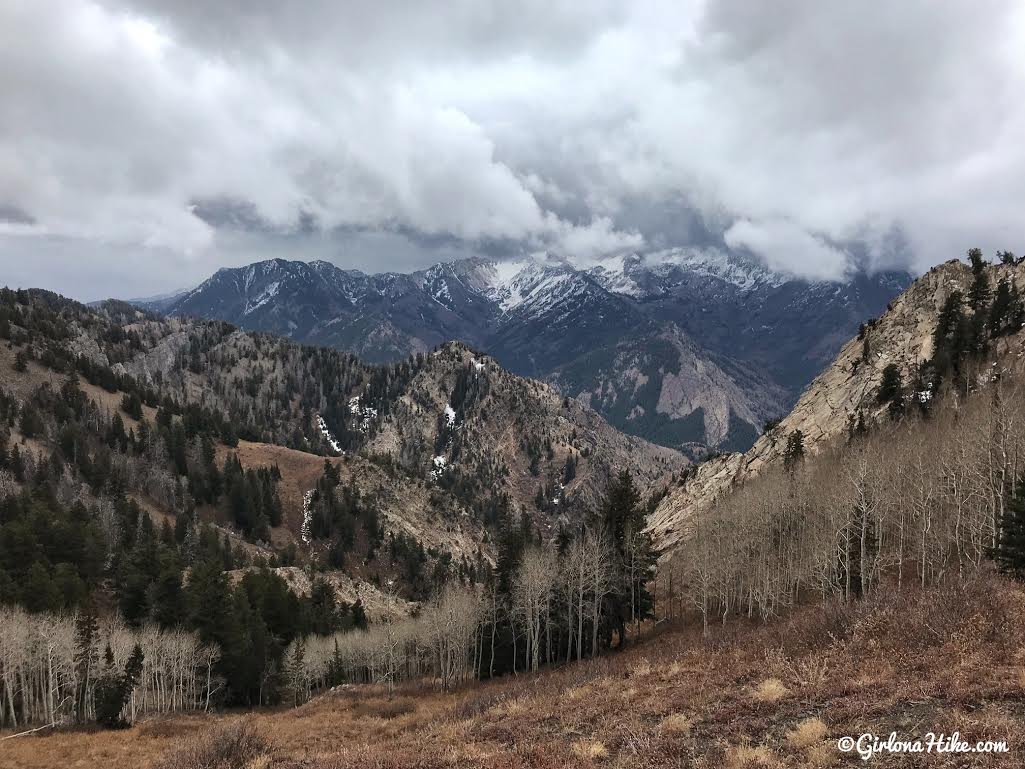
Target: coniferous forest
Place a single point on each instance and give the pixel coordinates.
(137, 567)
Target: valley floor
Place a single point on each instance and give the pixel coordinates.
(779, 694)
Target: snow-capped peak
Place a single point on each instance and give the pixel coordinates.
(527, 281)
(633, 274)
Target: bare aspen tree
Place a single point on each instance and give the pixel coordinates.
(600, 557)
(921, 498)
(39, 677)
(533, 584)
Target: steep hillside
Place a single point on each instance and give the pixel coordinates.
(471, 426)
(441, 450)
(848, 391)
(718, 343)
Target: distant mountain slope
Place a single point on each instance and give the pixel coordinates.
(746, 339)
(448, 445)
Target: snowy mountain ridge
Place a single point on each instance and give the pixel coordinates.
(713, 342)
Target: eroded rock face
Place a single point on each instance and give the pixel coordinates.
(845, 389)
(463, 413)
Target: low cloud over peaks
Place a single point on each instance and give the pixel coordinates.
(582, 129)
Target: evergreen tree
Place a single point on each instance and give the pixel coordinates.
(86, 632)
(359, 615)
(295, 674)
(131, 404)
(979, 293)
(1010, 551)
(114, 688)
(511, 541)
(1006, 313)
(621, 507)
(168, 605)
(623, 519)
(1000, 308)
(324, 618)
(793, 454)
(890, 388)
(951, 338)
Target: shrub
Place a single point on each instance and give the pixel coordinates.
(231, 746)
(383, 709)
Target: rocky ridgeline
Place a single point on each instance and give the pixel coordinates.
(846, 389)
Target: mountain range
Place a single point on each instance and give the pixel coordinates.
(690, 348)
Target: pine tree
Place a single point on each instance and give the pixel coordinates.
(1010, 551)
(167, 603)
(511, 541)
(359, 615)
(295, 673)
(621, 508)
(1006, 313)
(793, 454)
(623, 519)
(891, 387)
(951, 336)
(114, 688)
(999, 310)
(86, 632)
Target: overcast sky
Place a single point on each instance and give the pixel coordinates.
(144, 143)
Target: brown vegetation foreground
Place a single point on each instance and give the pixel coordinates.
(780, 694)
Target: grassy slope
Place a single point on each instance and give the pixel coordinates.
(778, 695)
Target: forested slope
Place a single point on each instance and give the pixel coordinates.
(185, 483)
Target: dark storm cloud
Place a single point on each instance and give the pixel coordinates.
(145, 143)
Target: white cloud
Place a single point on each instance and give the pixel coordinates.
(787, 248)
(586, 129)
(586, 244)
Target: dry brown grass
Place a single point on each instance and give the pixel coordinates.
(807, 733)
(770, 690)
(589, 749)
(677, 723)
(749, 757)
(641, 668)
(234, 745)
(821, 756)
(692, 702)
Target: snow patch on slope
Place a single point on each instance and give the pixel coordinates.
(304, 532)
(322, 426)
(362, 415)
(440, 463)
(264, 296)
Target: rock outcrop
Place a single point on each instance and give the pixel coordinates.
(842, 393)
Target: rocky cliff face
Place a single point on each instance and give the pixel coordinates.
(845, 390)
